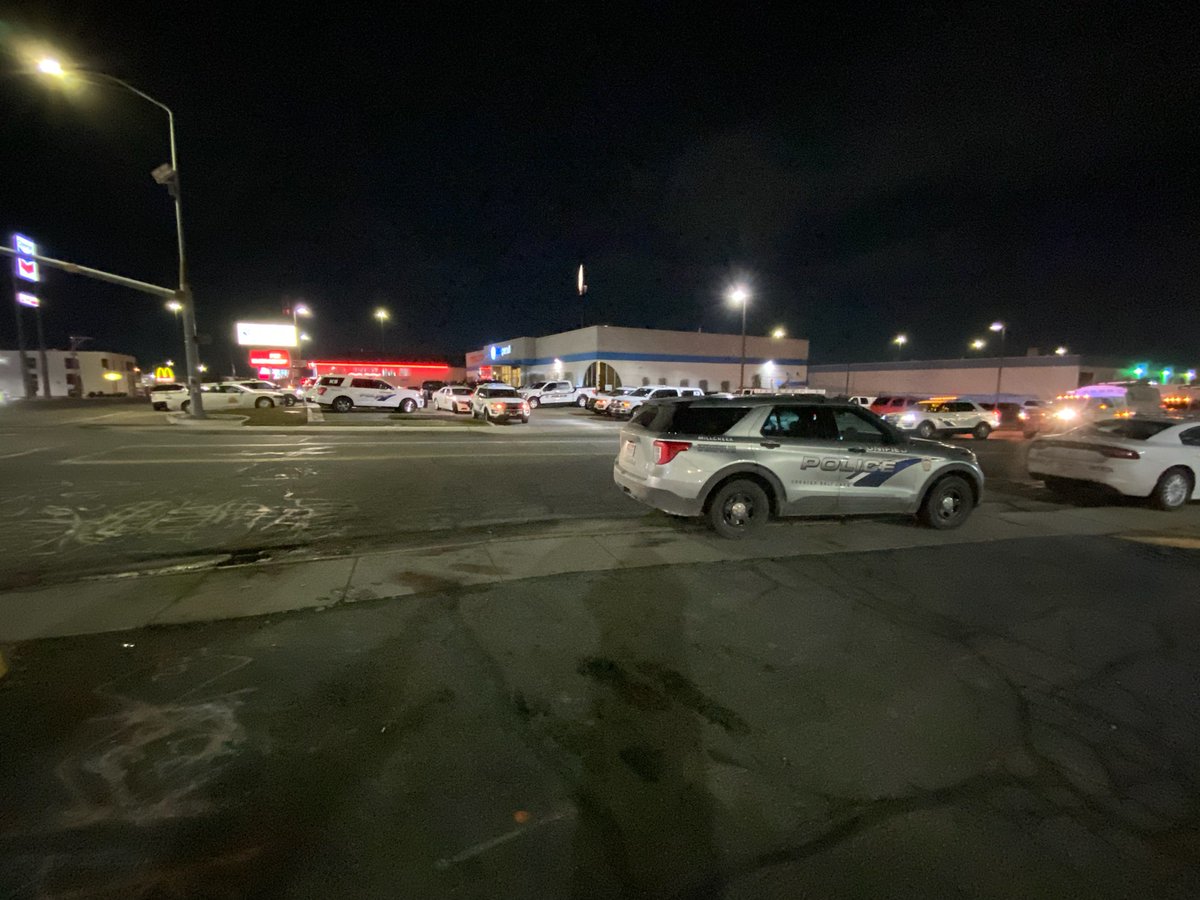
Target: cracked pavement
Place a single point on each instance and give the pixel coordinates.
(1017, 718)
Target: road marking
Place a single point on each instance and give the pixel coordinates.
(22, 453)
(227, 460)
(484, 846)
(1180, 542)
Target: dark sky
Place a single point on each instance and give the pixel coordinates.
(926, 169)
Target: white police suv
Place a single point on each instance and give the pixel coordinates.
(739, 461)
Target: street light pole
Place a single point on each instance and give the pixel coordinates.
(740, 295)
(1001, 327)
(170, 179)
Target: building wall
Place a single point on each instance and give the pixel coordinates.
(648, 356)
(1034, 376)
(92, 366)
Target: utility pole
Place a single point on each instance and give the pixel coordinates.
(23, 356)
(43, 364)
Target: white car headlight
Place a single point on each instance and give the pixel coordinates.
(908, 419)
(1067, 414)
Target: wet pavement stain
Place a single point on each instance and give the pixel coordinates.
(629, 690)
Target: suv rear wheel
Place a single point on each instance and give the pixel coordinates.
(738, 508)
(581, 402)
(408, 405)
(948, 503)
(981, 431)
(534, 402)
(343, 404)
(926, 430)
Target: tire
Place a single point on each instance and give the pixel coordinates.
(1173, 490)
(525, 419)
(408, 405)
(926, 430)
(738, 509)
(289, 400)
(581, 402)
(1030, 435)
(185, 405)
(534, 402)
(264, 403)
(1060, 487)
(342, 405)
(947, 504)
(981, 431)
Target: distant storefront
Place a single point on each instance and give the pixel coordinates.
(1044, 376)
(399, 372)
(72, 373)
(606, 356)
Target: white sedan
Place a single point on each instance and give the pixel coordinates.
(455, 398)
(1153, 457)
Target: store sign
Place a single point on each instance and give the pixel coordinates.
(276, 359)
(501, 351)
(164, 373)
(266, 334)
(26, 269)
(27, 299)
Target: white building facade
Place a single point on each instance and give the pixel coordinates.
(1043, 377)
(78, 373)
(606, 356)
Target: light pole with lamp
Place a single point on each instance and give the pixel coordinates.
(167, 175)
(1061, 351)
(382, 316)
(299, 310)
(741, 296)
(900, 340)
(1002, 328)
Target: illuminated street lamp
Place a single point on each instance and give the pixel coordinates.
(174, 306)
(1060, 351)
(167, 175)
(300, 310)
(304, 337)
(899, 340)
(382, 315)
(740, 296)
(1167, 375)
(1003, 329)
(1190, 375)
(779, 333)
(978, 344)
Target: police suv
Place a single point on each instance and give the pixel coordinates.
(739, 461)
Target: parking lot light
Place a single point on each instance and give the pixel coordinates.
(779, 333)
(1060, 351)
(978, 344)
(741, 296)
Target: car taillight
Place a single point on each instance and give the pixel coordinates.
(668, 450)
(320, 390)
(1118, 453)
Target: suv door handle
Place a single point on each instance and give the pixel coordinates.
(770, 445)
(857, 449)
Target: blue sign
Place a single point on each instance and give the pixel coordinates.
(26, 269)
(498, 351)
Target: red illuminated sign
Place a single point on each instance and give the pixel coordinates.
(382, 368)
(276, 359)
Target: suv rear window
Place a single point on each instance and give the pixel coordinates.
(684, 418)
(330, 382)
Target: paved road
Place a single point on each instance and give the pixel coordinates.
(86, 492)
(1009, 719)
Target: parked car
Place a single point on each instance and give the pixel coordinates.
(946, 416)
(428, 388)
(498, 403)
(233, 395)
(599, 403)
(168, 397)
(737, 462)
(556, 393)
(342, 393)
(455, 398)
(1092, 403)
(1142, 456)
(288, 398)
(631, 402)
(894, 403)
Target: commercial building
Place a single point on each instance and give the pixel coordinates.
(1036, 376)
(398, 372)
(606, 356)
(73, 373)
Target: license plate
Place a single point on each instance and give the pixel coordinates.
(629, 451)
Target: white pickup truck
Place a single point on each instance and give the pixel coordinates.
(556, 393)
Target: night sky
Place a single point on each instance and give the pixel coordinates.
(924, 170)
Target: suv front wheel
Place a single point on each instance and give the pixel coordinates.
(948, 503)
(738, 508)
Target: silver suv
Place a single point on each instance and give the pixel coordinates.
(739, 461)
(946, 415)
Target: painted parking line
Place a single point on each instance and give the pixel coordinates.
(22, 453)
(390, 457)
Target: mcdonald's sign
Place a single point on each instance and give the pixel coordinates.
(164, 373)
